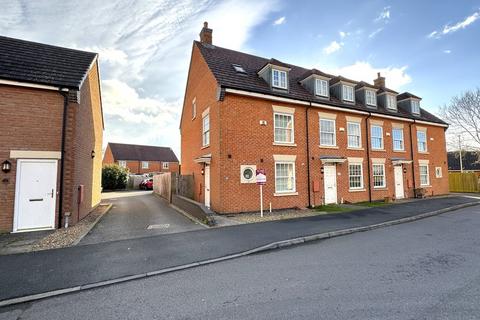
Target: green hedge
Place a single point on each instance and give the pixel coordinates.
(114, 177)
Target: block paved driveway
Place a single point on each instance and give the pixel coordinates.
(137, 214)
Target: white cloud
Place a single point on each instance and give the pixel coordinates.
(374, 33)
(280, 21)
(457, 26)
(384, 15)
(332, 47)
(144, 51)
(343, 34)
(447, 51)
(396, 77)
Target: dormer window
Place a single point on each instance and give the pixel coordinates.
(370, 98)
(321, 87)
(279, 79)
(415, 106)
(347, 93)
(391, 102)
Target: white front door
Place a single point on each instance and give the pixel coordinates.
(399, 192)
(35, 195)
(207, 185)
(330, 181)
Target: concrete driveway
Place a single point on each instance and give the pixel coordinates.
(137, 214)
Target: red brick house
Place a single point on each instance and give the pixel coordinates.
(51, 128)
(141, 159)
(320, 138)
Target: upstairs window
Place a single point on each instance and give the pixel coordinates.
(122, 163)
(283, 124)
(353, 133)
(397, 135)
(347, 93)
(370, 98)
(206, 130)
(279, 79)
(144, 164)
(164, 165)
(422, 141)
(327, 132)
(377, 137)
(321, 87)
(415, 106)
(391, 102)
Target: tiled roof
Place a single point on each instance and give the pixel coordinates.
(317, 72)
(407, 95)
(220, 61)
(122, 151)
(362, 84)
(470, 161)
(38, 63)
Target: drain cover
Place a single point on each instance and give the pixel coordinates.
(158, 226)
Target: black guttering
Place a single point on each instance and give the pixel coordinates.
(64, 93)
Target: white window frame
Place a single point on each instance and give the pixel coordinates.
(122, 163)
(205, 130)
(391, 102)
(346, 88)
(279, 84)
(361, 176)
(165, 165)
(393, 139)
(371, 137)
(419, 143)
(427, 174)
(359, 134)
(384, 183)
(415, 106)
(275, 127)
(321, 84)
(194, 108)
(144, 164)
(373, 98)
(334, 132)
(294, 177)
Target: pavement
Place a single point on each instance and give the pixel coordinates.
(11, 243)
(137, 214)
(88, 266)
(422, 270)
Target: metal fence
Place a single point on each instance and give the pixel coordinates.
(463, 182)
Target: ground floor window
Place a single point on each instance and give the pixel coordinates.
(424, 179)
(379, 175)
(284, 177)
(355, 176)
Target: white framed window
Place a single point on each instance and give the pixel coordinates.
(347, 93)
(327, 132)
(206, 130)
(377, 137)
(370, 98)
(424, 177)
(355, 176)
(391, 102)
(285, 177)
(144, 164)
(397, 138)
(122, 163)
(321, 87)
(354, 138)
(422, 141)
(283, 126)
(415, 106)
(194, 108)
(279, 79)
(164, 165)
(378, 175)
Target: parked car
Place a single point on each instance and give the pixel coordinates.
(146, 184)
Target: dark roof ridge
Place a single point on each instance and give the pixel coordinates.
(47, 45)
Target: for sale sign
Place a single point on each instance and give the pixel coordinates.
(261, 177)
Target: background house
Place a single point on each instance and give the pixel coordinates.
(51, 128)
(141, 159)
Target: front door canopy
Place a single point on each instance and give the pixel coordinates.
(400, 161)
(332, 159)
(206, 158)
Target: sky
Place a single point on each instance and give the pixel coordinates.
(429, 48)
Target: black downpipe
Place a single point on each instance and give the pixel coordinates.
(62, 159)
(308, 157)
(411, 155)
(368, 157)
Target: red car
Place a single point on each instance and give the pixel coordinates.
(146, 184)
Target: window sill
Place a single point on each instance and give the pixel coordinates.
(285, 194)
(328, 147)
(380, 189)
(423, 152)
(284, 144)
(357, 149)
(204, 147)
(357, 190)
(403, 151)
(378, 150)
(426, 186)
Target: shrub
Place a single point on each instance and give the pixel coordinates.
(114, 177)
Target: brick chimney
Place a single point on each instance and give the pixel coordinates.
(206, 34)
(380, 81)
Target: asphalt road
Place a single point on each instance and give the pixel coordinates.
(427, 269)
(132, 214)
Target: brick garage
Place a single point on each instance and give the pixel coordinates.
(32, 121)
(240, 105)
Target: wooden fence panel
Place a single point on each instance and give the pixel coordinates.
(463, 182)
